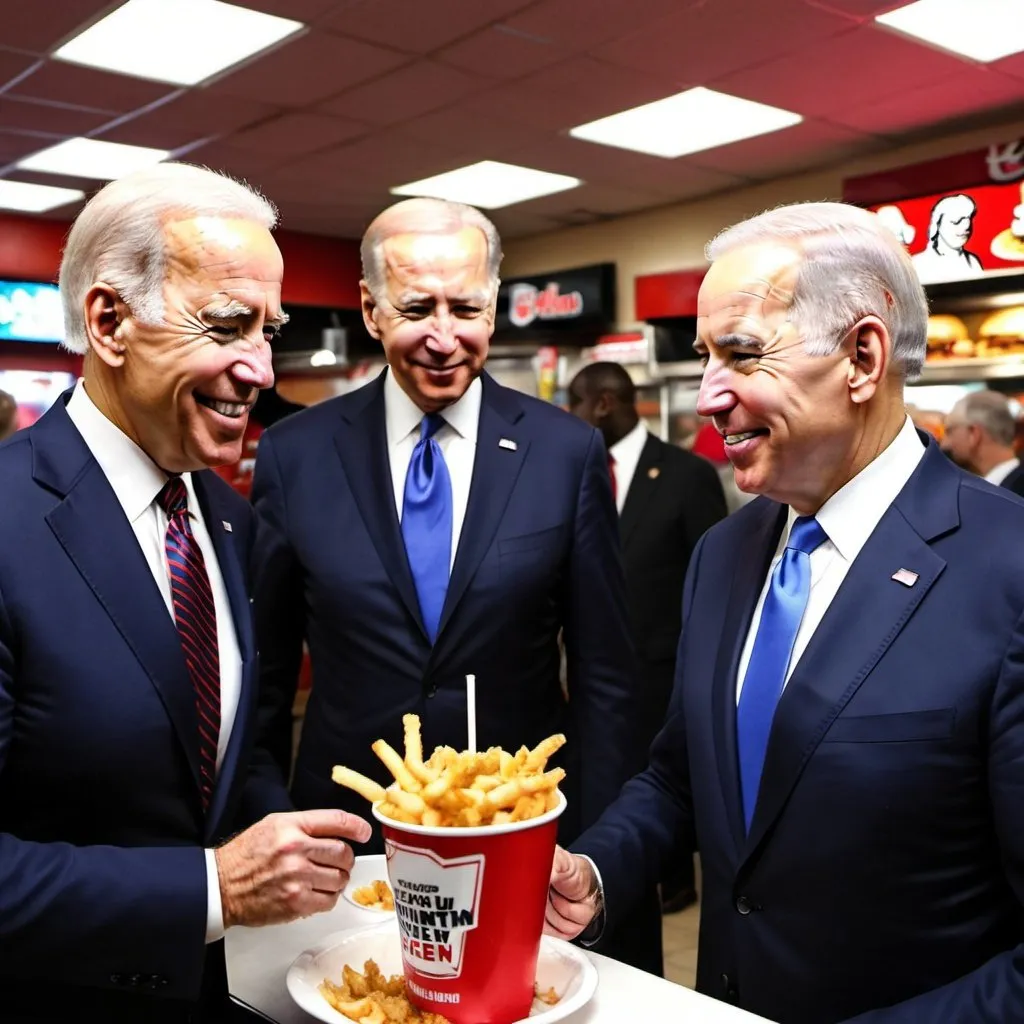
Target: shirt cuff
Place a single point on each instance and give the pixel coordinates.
(593, 932)
(214, 911)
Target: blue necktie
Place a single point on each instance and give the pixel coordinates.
(783, 609)
(427, 523)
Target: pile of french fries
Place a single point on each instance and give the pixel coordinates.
(459, 790)
(375, 896)
(372, 998)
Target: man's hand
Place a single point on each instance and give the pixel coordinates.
(572, 896)
(287, 866)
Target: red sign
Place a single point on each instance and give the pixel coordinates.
(527, 304)
(956, 235)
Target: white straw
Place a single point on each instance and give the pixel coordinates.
(471, 711)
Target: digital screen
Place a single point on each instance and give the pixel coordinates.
(30, 312)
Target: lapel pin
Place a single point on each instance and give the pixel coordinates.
(507, 442)
(654, 472)
(226, 525)
(905, 576)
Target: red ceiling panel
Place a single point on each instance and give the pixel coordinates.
(12, 65)
(55, 120)
(844, 73)
(860, 8)
(418, 27)
(804, 145)
(241, 163)
(193, 116)
(705, 42)
(405, 93)
(1013, 66)
(308, 70)
(583, 89)
(38, 27)
(460, 130)
(306, 11)
(15, 145)
(969, 92)
(581, 24)
(70, 83)
(498, 53)
(295, 134)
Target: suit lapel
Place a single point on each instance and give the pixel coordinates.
(495, 471)
(753, 557)
(641, 489)
(362, 444)
(91, 527)
(863, 620)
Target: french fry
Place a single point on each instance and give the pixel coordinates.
(366, 788)
(396, 766)
(414, 750)
(537, 759)
(411, 803)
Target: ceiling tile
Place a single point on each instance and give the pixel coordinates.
(581, 24)
(44, 117)
(701, 43)
(517, 223)
(404, 93)
(70, 83)
(970, 92)
(296, 134)
(586, 89)
(12, 65)
(497, 53)
(306, 11)
(1013, 66)
(878, 64)
(806, 145)
(307, 70)
(27, 27)
(193, 116)
(240, 163)
(15, 145)
(418, 27)
(489, 135)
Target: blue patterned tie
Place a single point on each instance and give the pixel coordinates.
(783, 609)
(427, 523)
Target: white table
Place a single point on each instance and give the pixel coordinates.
(259, 958)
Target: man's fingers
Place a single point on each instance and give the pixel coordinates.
(332, 853)
(574, 913)
(555, 924)
(333, 823)
(327, 880)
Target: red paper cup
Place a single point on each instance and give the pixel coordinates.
(470, 905)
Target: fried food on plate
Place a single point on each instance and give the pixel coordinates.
(376, 896)
(460, 790)
(371, 998)
(551, 997)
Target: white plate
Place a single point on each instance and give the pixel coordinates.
(561, 966)
(364, 871)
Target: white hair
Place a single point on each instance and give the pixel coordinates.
(425, 216)
(853, 267)
(119, 237)
(991, 411)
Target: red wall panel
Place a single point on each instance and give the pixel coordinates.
(667, 295)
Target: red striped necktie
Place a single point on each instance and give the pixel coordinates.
(196, 619)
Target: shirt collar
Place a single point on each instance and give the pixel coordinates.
(850, 516)
(403, 416)
(997, 474)
(630, 446)
(135, 478)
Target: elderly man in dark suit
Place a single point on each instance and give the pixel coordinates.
(846, 735)
(127, 650)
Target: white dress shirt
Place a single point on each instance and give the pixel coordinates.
(849, 518)
(626, 452)
(457, 439)
(136, 480)
(997, 474)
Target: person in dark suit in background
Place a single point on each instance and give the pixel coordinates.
(845, 741)
(8, 415)
(127, 651)
(434, 524)
(667, 499)
(979, 435)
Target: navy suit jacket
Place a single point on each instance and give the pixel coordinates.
(883, 874)
(102, 872)
(538, 554)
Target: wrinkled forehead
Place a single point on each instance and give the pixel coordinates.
(462, 251)
(751, 282)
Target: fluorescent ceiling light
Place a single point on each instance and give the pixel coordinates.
(177, 41)
(983, 30)
(686, 123)
(19, 195)
(489, 184)
(93, 158)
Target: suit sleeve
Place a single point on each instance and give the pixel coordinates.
(994, 993)
(651, 824)
(279, 604)
(88, 915)
(705, 504)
